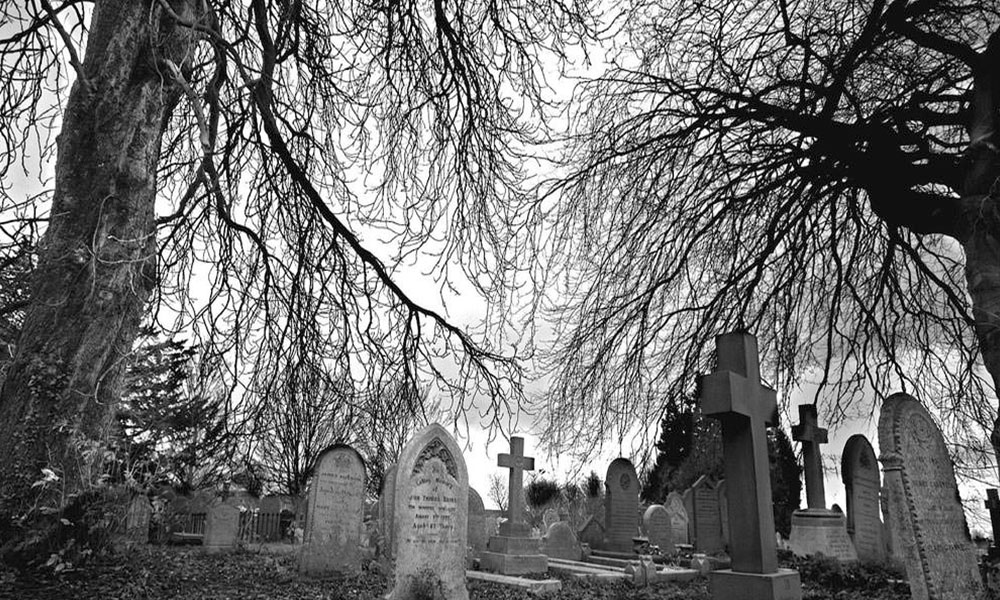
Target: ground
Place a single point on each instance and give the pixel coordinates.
(155, 573)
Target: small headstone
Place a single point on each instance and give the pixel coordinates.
(386, 509)
(925, 508)
(679, 521)
(561, 542)
(622, 506)
(592, 532)
(702, 502)
(477, 523)
(550, 516)
(859, 471)
(656, 524)
(335, 517)
(222, 528)
(137, 519)
(432, 498)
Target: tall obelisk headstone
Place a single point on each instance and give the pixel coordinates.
(621, 508)
(817, 530)
(335, 514)
(512, 551)
(859, 470)
(734, 395)
(930, 534)
(432, 500)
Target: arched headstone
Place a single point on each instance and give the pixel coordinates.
(477, 522)
(656, 524)
(679, 521)
(859, 471)
(335, 517)
(622, 506)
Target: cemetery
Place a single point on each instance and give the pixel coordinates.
(464, 300)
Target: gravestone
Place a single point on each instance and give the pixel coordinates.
(656, 524)
(817, 530)
(705, 526)
(222, 528)
(720, 489)
(432, 497)
(137, 520)
(859, 471)
(621, 508)
(386, 509)
(592, 532)
(335, 517)
(550, 516)
(679, 520)
(930, 534)
(477, 523)
(561, 542)
(514, 551)
(733, 394)
(992, 504)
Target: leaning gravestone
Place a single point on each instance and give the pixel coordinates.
(656, 525)
(622, 506)
(859, 470)
(678, 517)
(432, 499)
(335, 517)
(477, 523)
(702, 503)
(137, 520)
(924, 506)
(222, 528)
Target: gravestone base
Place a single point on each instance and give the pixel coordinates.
(821, 531)
(514, 564)
(730, 585)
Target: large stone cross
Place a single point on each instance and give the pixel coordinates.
(517, 462)
(993, 505)
(733, 394)
(811, 435)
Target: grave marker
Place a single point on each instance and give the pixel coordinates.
(656, 524)
(386, 510)
(702, 503)
(993, 505)
(592, 532)
(859, 471)
(222, 528)
(679, 521)
(720, 489)
(137, 520)
(513, 552)
(477, 523)
(335, 517)
(561, 542)
(930, 534)
(621, 508)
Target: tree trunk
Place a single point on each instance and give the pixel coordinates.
(96, 267)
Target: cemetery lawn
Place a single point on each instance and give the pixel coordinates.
(155, 573)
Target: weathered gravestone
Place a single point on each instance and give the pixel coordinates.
(432, 498)
(477, 523)
(679, 520)
(513, 552)
(137, 520)
(930, 534)
(734, 395)
(592, 532)
(992, 504)
(657, 527)
(386, 510)
(561, 542)
(222, 528)
(859, 471)
(705, 525)
(621, 508)
(335, 517)
(550, 516)
(817, 529)
(720, 489)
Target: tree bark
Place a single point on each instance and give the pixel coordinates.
(96, 265)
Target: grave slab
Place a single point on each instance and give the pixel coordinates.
(533, 586)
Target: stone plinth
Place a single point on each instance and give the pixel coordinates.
(730, 585)
(513, 556)
(821, 531)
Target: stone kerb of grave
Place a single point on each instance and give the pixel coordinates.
(335, 517)
(621, 506)
(431, 520)
(859, 471)
(817, 530)
(656, 524)
(930, 533)
(733, 394)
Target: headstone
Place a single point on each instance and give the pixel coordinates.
(705, 526)
(930, 533)
(477, 523)
(657, 526)
(335, 517)
(432, 497)
(592, 532)
(817, 530)
(137, 519)
(679, 520)
(993, 506)
(621, 509)
(386, 510)
(734, 395)
(561, 542)
(222, 528)
(515, 551)
(720, 489)
(550, 516)
(859, 471)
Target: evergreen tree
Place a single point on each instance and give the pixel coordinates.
(786, 485)
(673, 447)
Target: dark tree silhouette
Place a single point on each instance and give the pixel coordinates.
(822, 175)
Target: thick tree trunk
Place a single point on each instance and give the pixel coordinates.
(96, 267)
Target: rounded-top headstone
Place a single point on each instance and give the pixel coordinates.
(335, 514)
(561, 542)
(679, 520)
(477, 522)
(622, 506)
(432, 500)
(656, 524)
(926, 511)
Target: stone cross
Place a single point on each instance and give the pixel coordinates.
(517, 462)
(811, 435)
(993, 505)
(734, 395)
